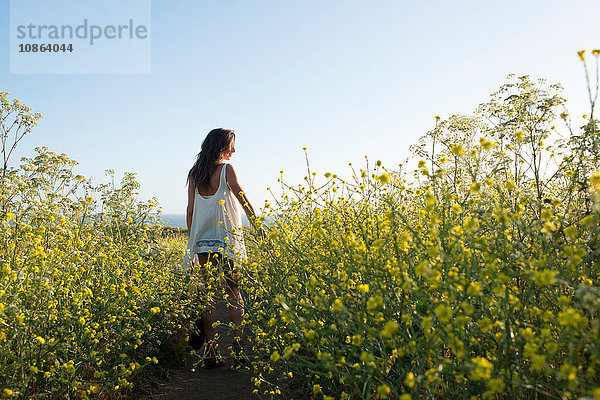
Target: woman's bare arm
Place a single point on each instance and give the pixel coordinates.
(190, 206)
(234, 185)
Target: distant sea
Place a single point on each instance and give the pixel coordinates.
(178, 220)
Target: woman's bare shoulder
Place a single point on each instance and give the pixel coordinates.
(232, 178)
(229, 169)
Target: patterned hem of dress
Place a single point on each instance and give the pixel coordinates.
(216, 243)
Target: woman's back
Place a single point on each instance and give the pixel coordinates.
(214, 182)
(213, 218)
(216, 220)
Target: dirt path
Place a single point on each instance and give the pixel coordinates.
(224, 383)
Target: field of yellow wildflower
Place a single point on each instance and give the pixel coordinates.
(89, 292)
(473, 273)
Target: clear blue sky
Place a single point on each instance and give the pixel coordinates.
(343, 78)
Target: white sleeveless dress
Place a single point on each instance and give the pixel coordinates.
(216, 225)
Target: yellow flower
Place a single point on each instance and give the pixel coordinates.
(363, 288)
(457, 231)
(544, 278)
(474, 288)
(383, 391)
(572, 318)
(275, 356)
(467, 308)
(410, 380)
(483, 368)
(485, 324)
(338, 305)
(384, 178)
(316, 389)
(365, 356)
(40, 340)
(520, 135)
(548, 227)
(486, 144)
(378, 243)
(426, 323)
(457, 150)
(527, 334)
(496, 385)
(430, 199)
(580, 53)
(538, 361)
(571, 232)
(471, 224)
(568, 371)
(546, 214)
(389, 329)
(443, 312)
(374, 302)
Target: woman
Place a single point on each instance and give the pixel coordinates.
(214, 224)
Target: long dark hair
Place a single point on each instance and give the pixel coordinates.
(216, 142)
